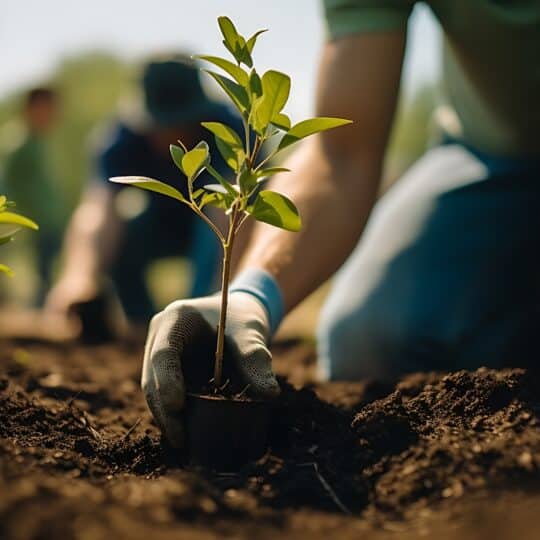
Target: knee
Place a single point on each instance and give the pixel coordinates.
(365, 345)
(350, 348)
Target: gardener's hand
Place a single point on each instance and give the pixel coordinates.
(179, 352)
(71, 290)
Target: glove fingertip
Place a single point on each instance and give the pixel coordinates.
(265, 389)
(174, 433)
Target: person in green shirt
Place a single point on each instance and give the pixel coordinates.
(443, 271)
(28, 179)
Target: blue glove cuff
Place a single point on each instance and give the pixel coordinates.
(265, 288)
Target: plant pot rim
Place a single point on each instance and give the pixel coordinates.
(218, 397)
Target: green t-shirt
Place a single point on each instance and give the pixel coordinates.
(29, 181)
(491, 74)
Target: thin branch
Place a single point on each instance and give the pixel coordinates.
(328, 488)
(266, 160)
(210, 223)
(246, 132)
(216, 175)
(246, 388)
(132, 428)
(94, 432)
(256, 148)
(241, 222)
(224, 385)
(227, 250)
(70, 401)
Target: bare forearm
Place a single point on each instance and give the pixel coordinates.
(336, 175)
(93, 234)
(334, 201)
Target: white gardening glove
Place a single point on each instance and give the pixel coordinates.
(180, 348)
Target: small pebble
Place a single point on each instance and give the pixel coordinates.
(525, 460)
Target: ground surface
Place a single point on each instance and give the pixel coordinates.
(443, 456)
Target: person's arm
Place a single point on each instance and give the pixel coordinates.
(91, 240)
(336, 174)
(334, 183)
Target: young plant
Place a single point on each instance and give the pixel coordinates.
(260, 101)
(10, 224)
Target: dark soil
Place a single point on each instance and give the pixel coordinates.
(449, 456)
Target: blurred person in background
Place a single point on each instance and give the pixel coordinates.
(113, 233)
(442, 273)
(29, 180)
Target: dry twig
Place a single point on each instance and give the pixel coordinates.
(328, 488)
(132, 428)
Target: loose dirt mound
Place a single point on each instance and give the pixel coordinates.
(444, 436)
(81, 458)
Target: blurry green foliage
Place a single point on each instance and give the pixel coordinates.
(90, 86)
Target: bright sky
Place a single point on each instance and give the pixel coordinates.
(35, 35)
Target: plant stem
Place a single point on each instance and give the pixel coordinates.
(266, 160)
(246, 132)
(241, 222)
(207, 220)
(225, 274)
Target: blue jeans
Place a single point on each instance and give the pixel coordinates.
(446, 275)
(148, 238)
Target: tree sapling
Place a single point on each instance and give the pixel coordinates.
(260, 101)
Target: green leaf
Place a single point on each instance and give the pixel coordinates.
(225, 133)
(3, 202)
(16, 219)
(263, 174)
(251, 41)
(231, 156)
(236, 72)
(229, 187)
(218, 188)
(236, 93)
(6, 270)
(219, 200)
(244, 55)
(234, 42)
(247, 180)
(255, 85)
(281, 121)
(276, 87)
(229, 144)
(310, 127)
(194, 161)
(177, 154)
(149, 184)
(230, 35)
(276, 209)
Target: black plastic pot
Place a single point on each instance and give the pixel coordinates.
(224, 434)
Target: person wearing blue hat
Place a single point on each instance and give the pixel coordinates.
(115, 234)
